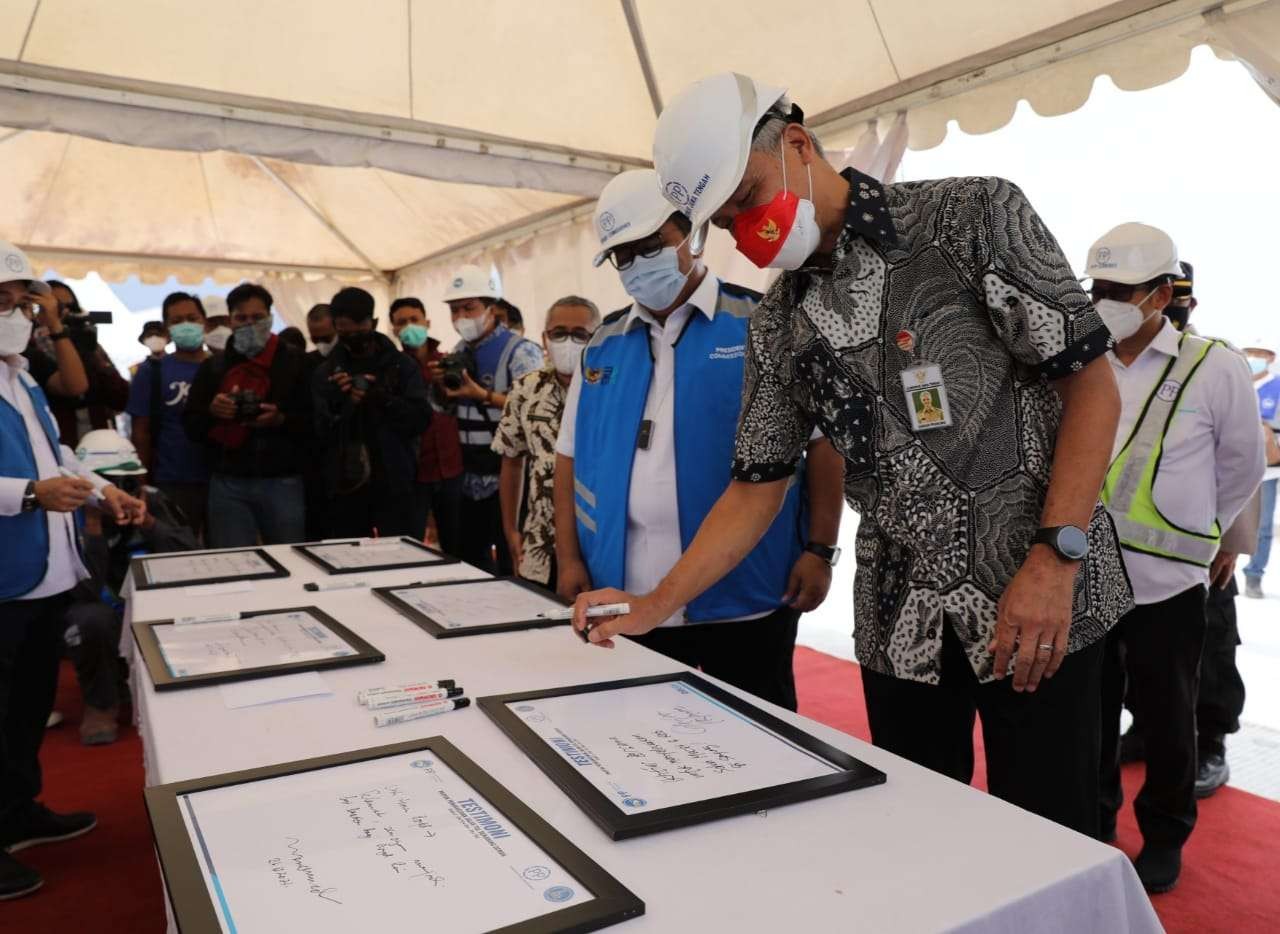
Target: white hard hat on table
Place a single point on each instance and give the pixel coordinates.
(110, 454)
(703, 139)
(472, 282)
(16, 267)
(1132, 254)
(630, 208)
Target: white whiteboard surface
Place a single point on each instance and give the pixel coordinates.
(256, 642)
(348, 556)
(169, 569)
(488, 604)
(395, 844)
(662, 745)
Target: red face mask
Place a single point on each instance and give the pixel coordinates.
(761, 231)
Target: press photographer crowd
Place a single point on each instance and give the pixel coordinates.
(1056, 485)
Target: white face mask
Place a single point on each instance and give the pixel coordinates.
(15, 333)
(324, 348)
(1123, 319)
(565, 355)
(218, 337)
(155, 343)
(655, 281)
(471, 329)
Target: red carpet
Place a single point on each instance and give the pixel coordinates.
(108, 881)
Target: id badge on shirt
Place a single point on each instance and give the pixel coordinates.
(926, 396)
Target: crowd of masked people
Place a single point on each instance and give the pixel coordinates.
(690, 453)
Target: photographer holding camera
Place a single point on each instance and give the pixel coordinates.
(477, 375)
(107, 393)
(251, 406)
(370, 406)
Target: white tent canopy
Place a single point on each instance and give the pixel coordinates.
(390, 140)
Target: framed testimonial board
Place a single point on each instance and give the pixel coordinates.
(186, 568)
(469, 608)
(650, 754)
(402, 838)
(259, 644)
(362, 555)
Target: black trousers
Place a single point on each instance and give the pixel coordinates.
(1154, 652)
(369, 509)
(92, 639)
(754, 655)
(30, 649)
(1041, 747)
(481, 535)
(442, 499)
(1221, 698)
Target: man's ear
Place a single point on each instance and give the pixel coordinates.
(1163, 296)
(797, 138)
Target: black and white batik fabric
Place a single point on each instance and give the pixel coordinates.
(969, 269)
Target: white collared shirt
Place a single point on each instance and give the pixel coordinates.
(1213, 453)
(65, 567)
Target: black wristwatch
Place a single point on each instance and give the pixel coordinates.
(61, 335)
(827, 553)
(1069, 542)
(29, 501)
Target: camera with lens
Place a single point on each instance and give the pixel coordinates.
(248, 405)
(82, 328)
(456, 364)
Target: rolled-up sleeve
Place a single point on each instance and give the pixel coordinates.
(772, 428)
(1036, 304)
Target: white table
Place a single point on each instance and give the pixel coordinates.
(919, 853)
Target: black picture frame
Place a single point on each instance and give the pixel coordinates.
(149, 647)
(621, 825)
(137, 569)
(443, 632)
(431, 557)
(193, 907)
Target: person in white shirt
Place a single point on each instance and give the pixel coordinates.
(42, 484)
(646, 447)
(1186, 458)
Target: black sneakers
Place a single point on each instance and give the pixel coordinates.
(37, 824)
(1158, 868)
(1212, 774)
(16, 879)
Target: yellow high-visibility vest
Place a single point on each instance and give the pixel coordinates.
(1128, 492)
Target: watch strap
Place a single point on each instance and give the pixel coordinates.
(828, 553)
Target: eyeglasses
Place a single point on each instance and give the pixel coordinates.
(623, 256)
(577, 335)
(1111, 290)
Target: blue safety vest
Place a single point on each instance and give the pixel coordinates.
(24, 538)
(709, 358)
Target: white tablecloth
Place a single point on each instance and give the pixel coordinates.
(919, 853)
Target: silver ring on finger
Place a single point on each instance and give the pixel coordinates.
(1046, 647)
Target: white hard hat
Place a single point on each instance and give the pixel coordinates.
(1132, 254)
(473, 282)
(215, 306)
(630, 208)
(703, 139)
(15, 266)
(110, 454)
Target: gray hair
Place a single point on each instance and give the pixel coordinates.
(768, 135)
(577, 301)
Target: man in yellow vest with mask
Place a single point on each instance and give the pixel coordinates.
(1186, 459)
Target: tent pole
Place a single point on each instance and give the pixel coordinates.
(642, 54)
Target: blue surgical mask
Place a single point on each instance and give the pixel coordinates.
(1258, 365)
(250, 339)
(413, 336)
(187, 335)
(655, 281)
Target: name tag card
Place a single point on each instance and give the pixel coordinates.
(402, 838)
(259, 644)
(650, 754)
(926, 397)
(184, 568)
(383, 554)
(469, 608)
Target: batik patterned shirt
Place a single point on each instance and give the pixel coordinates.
(967, 275)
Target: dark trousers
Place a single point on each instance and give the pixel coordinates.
(192, 499)
(754, 655)
(481, 535)
(1041, 747)
(442, 499)
(367, 511)
(30, 649)
(93, 644)
(1154, 651)
(1221, 698)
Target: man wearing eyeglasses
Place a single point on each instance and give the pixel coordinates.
(646, 448)
(528, 429)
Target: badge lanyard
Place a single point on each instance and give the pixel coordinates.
(923, 388)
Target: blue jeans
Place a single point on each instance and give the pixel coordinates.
(1258, 563)
(244, 509)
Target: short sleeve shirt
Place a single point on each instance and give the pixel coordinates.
(175, 458)
(967, 270)
(528, 428)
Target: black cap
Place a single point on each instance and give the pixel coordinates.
(453, 692)
(1182, 284)
(151, 327)
(461, 702)
(353, 304)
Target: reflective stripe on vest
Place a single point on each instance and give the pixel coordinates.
(1129, 489)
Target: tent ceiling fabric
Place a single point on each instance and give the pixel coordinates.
(321, 138)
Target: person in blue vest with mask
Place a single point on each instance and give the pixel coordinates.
(42, 485)
(645, 450)
(477, 376)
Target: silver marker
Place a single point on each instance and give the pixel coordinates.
(423, 710)
(317, 586)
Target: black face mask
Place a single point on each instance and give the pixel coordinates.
(360, 343)
(1179, 316)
